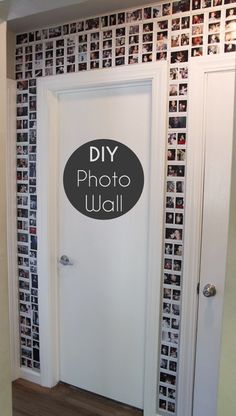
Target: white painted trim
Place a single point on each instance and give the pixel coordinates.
(47, 236)
(198, 70)
(48, 91)
(29, 375)
(11, 229)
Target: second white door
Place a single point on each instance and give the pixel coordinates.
(218, 132)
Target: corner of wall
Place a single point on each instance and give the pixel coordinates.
(5, 379)
(11, 44)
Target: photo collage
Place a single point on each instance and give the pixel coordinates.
(27, 223)
(177, 32)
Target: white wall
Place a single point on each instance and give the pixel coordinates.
(5, 383)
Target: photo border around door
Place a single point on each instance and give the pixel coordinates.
(49, 90)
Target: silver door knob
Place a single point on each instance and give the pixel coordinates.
(209, 290)
(65, 261)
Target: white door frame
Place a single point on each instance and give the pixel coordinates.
(155, 74)
(198, 70)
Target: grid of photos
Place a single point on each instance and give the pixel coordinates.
(27, 222)
(175, 31)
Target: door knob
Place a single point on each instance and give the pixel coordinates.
(209, 290)
(65, 261)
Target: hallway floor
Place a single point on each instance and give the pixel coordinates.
(63, 400)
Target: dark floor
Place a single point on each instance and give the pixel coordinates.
(63, 400)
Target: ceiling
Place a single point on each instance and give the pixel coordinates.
(24, 15)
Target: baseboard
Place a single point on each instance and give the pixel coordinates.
(30, 375)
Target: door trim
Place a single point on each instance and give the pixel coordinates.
(48, 94)
(198, 71)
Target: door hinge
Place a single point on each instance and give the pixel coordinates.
(198, 288)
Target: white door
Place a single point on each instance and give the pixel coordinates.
(219, 112)
(102, 303)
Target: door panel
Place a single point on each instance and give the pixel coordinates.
(103, 295)
(218, 132)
